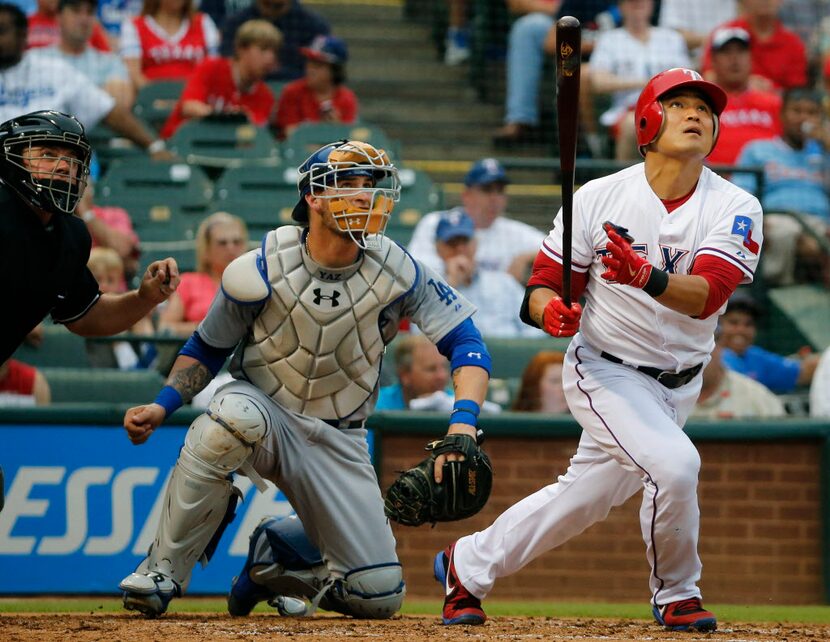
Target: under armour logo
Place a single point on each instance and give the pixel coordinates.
(477, 355)
(319, 297)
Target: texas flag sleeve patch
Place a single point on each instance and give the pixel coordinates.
(742, 226)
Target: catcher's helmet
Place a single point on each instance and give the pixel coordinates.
(51, 191)
(320, 174)
(648, 115)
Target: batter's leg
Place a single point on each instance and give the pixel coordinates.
(593, 484)
(637, 421)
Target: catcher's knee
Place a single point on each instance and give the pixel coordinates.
(219, 441)
(375, 592)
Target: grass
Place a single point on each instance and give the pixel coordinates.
(813, 614)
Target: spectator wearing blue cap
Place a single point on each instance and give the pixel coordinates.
(321, 95)
(503, 244)
(496, 295)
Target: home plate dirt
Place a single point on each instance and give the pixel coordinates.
(62, 627)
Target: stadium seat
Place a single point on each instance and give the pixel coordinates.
(106, 385)
(60, 348)
(225, 142)
(110, 147)
(183, 252)
(308, 137)
(150, 191)
(167, 224)
(155, 101)
(276, 87)
(511, 356)
(261, 196)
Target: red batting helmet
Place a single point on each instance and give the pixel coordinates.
(648, 115)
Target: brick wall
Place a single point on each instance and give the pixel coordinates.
(760, 538)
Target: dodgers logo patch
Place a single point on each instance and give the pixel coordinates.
(742, 226)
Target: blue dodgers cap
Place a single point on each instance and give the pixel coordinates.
(486, 171)
(330, 49)
(454, 224)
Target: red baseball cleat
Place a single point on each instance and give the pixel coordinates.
(460, 606)
(685, 615)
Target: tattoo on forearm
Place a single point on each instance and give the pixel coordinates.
(190, 381)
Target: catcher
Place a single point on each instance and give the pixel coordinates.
(308, 317)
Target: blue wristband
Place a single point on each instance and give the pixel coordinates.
(463, 417)
(465, 411)
(467, 404)
(169, 399)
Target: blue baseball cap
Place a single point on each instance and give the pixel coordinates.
(486, 171)
(330, 49)
(453, 224)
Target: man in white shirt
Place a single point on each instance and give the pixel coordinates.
(497, 295)
(504, 244)
(622, 62)
(30, 82)
(76, 18)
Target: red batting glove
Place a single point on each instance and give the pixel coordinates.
(560, 320)
(623, 264)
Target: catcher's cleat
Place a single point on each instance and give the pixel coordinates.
(685, 615)
(460, 606)
(148, 593)
(245, 593)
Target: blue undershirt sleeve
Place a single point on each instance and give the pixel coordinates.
(212, 358)
(463, 346)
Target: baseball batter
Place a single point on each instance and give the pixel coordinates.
(652, 294)
(309, 316)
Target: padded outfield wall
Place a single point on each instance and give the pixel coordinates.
(82, 504)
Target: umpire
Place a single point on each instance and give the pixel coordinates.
(44, 248)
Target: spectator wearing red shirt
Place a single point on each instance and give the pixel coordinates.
(750, 114)
(167, 41)
(321, 95)
(23, 385)
(44, 30)
(779, 58)
(221, 238)
(230, 85)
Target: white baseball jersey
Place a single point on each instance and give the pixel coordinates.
(498, 244)
(38, 82)
(719, 219)
(633, 439)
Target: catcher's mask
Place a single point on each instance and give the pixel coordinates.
(321, 175)
(56, 189)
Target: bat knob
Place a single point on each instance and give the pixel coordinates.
(567, 22)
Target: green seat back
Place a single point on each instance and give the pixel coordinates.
(154, 191)
(60, 348)
(155, 101)
(262, 196)
(106, 385)
(225, 143)
(309, 137)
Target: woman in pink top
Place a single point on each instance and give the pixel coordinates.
(221, 238)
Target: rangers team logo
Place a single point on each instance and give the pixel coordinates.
(742, 226)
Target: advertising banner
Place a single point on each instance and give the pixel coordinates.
(82, 505)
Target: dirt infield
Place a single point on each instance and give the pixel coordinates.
(63, 627)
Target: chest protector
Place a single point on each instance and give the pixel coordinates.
(316, 347)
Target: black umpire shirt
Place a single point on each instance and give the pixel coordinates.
(42, 270)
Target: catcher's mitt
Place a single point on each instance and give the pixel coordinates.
(414, 498)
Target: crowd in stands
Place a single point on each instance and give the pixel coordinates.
(277, 64)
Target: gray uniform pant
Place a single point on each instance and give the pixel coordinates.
(327, 475)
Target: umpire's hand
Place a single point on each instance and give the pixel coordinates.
(159, 281)
(141, 421)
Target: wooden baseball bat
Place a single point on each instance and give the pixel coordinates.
(568, 48)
